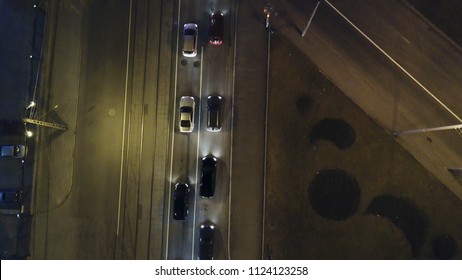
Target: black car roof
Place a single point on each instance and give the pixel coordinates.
(213, 101)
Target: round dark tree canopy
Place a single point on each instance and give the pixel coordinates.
(337, 131)
(334, 194)
(404, 215)
(444, 247)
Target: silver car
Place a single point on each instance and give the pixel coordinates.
(187, 105)
(190, 31)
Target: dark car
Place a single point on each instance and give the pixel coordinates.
(180, 201)
(216, 28)
(208, 176)
(206, 234)
(213, 113)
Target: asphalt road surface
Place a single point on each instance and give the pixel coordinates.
(210, 72)
(117, 74)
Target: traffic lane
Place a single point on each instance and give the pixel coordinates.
(98, 151)
(249, 101)
(217, 80)
(215, 210)
(183, 171)
(184, 155)
(423, 51)
(187, 79)
(101, 105)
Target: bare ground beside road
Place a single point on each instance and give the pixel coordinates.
(401, 211)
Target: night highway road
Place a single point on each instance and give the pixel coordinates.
(210, 72)
(80, 202)
(115, 73)
(105, 185)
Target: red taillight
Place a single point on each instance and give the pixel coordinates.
(216, 42)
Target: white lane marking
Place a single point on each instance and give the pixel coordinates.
(395, 62)
(197, 151)
(119, 206)
(266, 145)
(405, 39)
(232, 126)
(173, 133)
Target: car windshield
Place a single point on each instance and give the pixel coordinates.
(16, 151)
(213, 102)
(185, 123)
(185, 109)
(217, 19)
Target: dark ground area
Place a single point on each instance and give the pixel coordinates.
(21, 30)
(446, 15)
(339, 186)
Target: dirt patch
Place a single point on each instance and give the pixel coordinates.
(338, 132)
(404, 215)
(304, 104)
(444, 247)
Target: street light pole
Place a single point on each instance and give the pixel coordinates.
(311, 18)
(267, 10)
(457, 126)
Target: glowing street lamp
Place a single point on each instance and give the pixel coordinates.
(31, 104)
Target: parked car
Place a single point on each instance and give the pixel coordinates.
(180, 201)
(14, 151)
(10, 199)
(216, 28)
(208, 176)
(190, 32)
(213, 113)
(187, 105)
(206, 235)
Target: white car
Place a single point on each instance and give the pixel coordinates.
(187, 114)
(190, 31)
(14, 151)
